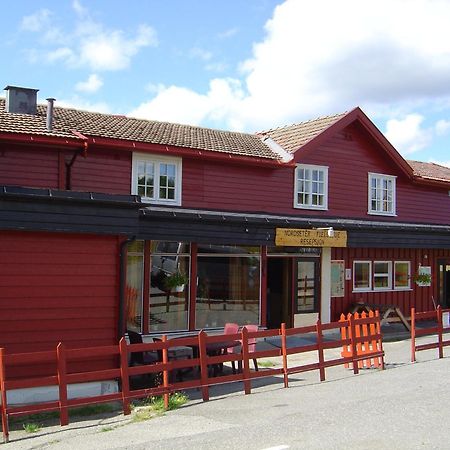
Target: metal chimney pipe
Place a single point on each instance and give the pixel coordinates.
(50, 101)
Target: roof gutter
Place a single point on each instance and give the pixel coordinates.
(26, 138)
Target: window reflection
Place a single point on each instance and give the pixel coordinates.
(228, 287)
(133, 289)
(169, 286)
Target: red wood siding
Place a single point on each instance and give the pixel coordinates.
(100, 171)
(212, 185)
(28, 166)
(350, 155)
(418, 297)
(57, 288)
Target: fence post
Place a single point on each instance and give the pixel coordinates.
(203, 365)
(124, 375)
(380, 339)
(413, 334)
(284, 353)
(320, 350)
(373, 330)
(354, 350)
(246, 362)
(62, 383)
(440, 331)
(4, 407)
(165, 355)
(345, 348)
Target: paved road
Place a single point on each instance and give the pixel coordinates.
(407, 406)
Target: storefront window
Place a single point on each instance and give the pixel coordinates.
(169, 286)
(228, 285)
(382, 275)
(133, 289)
(362, 275)
(401, 275)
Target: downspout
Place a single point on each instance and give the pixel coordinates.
(122, 285)
(82, 151)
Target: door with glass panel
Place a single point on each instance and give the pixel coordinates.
(444, 283)
(306, 286)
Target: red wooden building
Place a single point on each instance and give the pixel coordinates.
(109, 222)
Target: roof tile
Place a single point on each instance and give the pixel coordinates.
(430, 170)
(138, 130)
(292, 137)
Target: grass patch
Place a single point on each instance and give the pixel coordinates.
(266, 364)
(154, 406)
(106, 429)
(175, 401)
(31, 427)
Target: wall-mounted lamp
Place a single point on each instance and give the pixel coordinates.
(329, 230)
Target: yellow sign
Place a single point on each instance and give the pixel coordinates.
(299, 237)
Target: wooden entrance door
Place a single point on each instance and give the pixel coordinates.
(306, 294)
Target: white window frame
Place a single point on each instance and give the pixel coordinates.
(157, 161)
(310, 167)
(402, 288)
(381, 178)
(387, 275)
(362, 289)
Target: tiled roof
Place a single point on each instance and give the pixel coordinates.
(292, 137)
(93, 124)
(430, 170)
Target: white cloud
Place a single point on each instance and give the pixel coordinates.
(200, 53)
(112, 51)
(37, 21)
(91, 85)
(442, 127)
(407, 134)
(89, 43)
(227, 33)
(168, 105)
(317, 58)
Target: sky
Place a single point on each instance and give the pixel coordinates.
(242, 65)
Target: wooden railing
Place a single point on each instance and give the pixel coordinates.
(435, 328)
(200, 365)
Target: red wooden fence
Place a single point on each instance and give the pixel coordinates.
(202, 361)
(435, 328)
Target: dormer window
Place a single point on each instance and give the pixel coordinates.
(157, 179)
(311, 187)
(382, 194)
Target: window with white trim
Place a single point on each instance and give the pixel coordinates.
(382, 194)
(402, 275)
(382, 275)
(157, 179)
(362, 275)
(311, 187)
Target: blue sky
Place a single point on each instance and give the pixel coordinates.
(244, 65)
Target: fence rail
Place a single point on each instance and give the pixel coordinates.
(200, 364)
(437, 328)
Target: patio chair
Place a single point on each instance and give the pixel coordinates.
(141, 359)
(231, 328)
(176, 353)
(252, 342)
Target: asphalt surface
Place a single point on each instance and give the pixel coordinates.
(405, 406)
